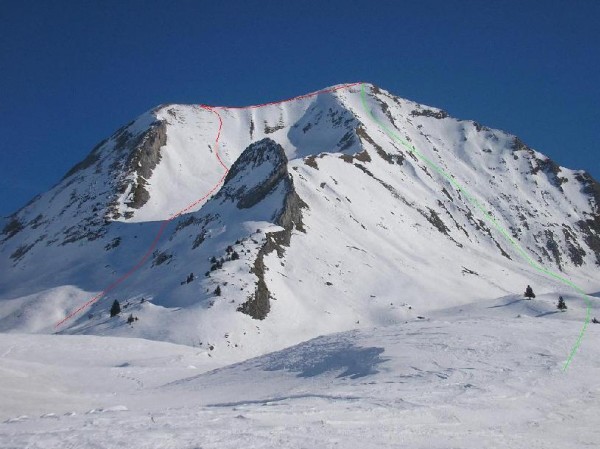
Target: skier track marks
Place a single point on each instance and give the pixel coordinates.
(165, 223)
(490, 219)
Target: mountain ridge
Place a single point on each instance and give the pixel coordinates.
(349, 248)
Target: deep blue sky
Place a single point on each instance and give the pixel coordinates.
(72, 72)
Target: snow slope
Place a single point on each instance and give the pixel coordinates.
(340, 227)
(488, 375)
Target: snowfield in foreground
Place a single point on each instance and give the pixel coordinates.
(483, 375)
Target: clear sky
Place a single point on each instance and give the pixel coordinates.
(72, 72)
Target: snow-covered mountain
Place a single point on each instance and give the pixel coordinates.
(245, 230)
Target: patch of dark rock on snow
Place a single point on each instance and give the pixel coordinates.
(263, 153)
(269, 154)
(13, 227)
(311, 161)
(145, 158)
(137, 154)
(439, 114)
(397, 158)
(576, 252)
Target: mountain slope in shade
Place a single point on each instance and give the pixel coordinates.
(323, 223)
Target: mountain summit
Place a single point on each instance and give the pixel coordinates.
(243, 230)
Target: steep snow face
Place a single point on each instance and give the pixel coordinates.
(327, 220)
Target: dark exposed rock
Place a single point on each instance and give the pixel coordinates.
(199, 239)
(363, 156)
(439, 114)
(188, 221)
(467, 271)
(20, 252)
(592, 188)
(519, 145)
(311, 162)
(436, 221)
(289, 217)
(397, 158)
(551, 169)
(504, 253)
(272, 129)
(384, 107)
(36, 222)
(458, 225)
(258, 305)
(144, 159)
(445, 192)
(591, 226)
(347, 141)
(264, 152)
(591, 235)
(481, 226)
(576, 253)
(160, 257)
(136, 158)
(13, 227)
(25, 248)
(479, 127)
(552, 247)
(113, 243)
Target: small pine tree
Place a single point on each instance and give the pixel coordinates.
(529, 293)
(235, 255)
(218, 290)
(561, 304)
(131, 319)
(115, 309)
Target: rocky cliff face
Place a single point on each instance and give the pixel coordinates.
(260, 170)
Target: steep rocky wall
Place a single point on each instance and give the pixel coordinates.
(289, 217)
(141, 155)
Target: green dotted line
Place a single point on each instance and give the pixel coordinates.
(490, 219)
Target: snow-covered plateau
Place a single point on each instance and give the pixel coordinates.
(344, 269)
